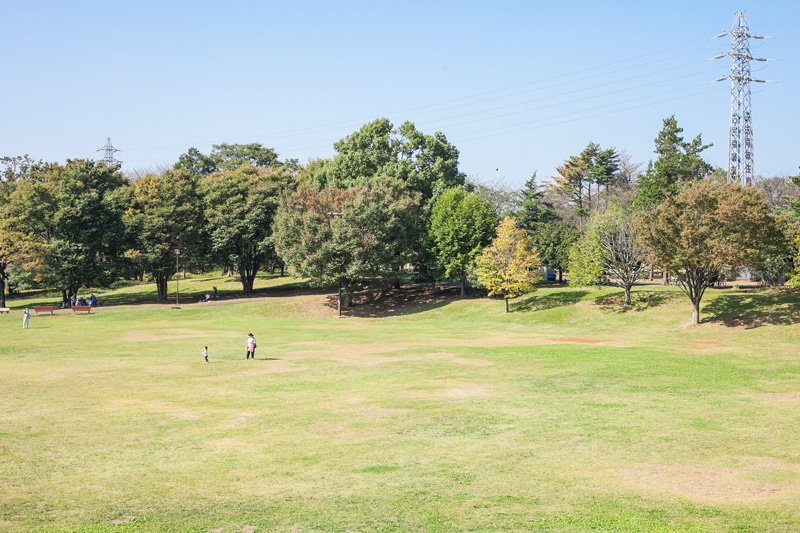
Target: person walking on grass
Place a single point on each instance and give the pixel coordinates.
(26, 317)
(251, 347)
(205, 353)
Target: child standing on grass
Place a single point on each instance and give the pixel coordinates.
(26, 317)
(251, 346)
(205, 353)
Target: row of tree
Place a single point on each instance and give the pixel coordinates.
(390, 206)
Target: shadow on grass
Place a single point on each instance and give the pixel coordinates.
(396, 302)
(640, 301)
(540, 301)
(752, 310)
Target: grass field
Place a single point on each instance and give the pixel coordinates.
(428, 414)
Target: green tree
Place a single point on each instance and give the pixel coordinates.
(229, 157)
(509, 266)
(707, 229)
(72, 214)
(554, 241)
(240, 207)
(164, 214)
(608, 250)
(534, 211)
(349, 238)
(462, 224)
(678, 162)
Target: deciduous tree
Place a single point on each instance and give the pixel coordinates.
(509, 266)
(608, 250)
(704, 230)
(462, 224)
(240, 207)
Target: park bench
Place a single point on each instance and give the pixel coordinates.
(82, 309)
(5, 310)
(44, 309)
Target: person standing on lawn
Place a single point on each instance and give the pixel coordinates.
(205, 353)
(26, 317)
(251, 347)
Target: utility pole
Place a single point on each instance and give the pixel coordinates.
(740, 133)
(108, 152)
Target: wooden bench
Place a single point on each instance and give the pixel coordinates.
(5, 310)
(44, 309)
(82, 309)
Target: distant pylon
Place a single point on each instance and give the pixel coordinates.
(108, 152)
(740, 132)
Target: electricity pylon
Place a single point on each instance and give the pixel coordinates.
(740, 133)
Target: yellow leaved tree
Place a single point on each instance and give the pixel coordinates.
(509, 266)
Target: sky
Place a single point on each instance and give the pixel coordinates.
(517, 86)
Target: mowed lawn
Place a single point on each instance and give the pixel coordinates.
(433, 414)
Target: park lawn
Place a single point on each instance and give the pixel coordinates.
(565, 414)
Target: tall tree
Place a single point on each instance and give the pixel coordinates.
(704, 230)
(534, 210)
(164, 214)
(509, 266)
(240, 207)
(462, 224)
(73, 215)
(350, 238)
(678, 162)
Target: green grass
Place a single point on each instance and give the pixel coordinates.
(566, 414)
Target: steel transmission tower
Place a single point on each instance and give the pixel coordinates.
(740, 134)
(108, 152)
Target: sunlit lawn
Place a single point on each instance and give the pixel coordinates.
(565, 414)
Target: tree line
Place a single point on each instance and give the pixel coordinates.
(391, 207)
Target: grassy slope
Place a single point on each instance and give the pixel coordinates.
(565, 414)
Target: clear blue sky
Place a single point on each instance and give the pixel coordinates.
(517, 86)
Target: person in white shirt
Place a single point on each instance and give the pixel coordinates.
(205, 353)
(251, 347)
(26, 317)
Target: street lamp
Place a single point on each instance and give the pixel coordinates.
(177, 279)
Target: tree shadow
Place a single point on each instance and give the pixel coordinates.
(397, 302)
(754, 309)
(640, 301)
(539, 301)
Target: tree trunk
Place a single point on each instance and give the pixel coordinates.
(161, 285)
(2, 290)
(627, 295)
(695, 313)
(463, 286)
(283, 268)
(560, 276)
(666, 277)
(339, 300)
(64, 296)
(506, 300)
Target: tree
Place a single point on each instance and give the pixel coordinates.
(534, 210)
(349, 238)
(509, 266)
(229, 157)
(240, 207)
(462, 224)
(678, 162)
(72, 218)
(554, 241)
(164, 214)
(704, 230)
(608, 250)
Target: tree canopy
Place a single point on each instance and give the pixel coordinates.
(509, 266)
(704, 230)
